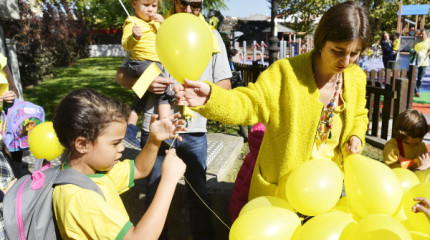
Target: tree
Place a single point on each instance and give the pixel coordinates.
(382, 13)
(104, 14)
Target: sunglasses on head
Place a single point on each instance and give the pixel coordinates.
(184, 4)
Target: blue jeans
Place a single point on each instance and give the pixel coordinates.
(420, 75)
(193, 151)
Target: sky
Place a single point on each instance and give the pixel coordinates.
(245, 8)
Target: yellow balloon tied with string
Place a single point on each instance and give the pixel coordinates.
(43, 142)
(184, 46)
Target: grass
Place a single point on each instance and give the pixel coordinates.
(95, 73)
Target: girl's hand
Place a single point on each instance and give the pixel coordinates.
(137, 32)
(193, 94)
(8, 96)
(166, 128)
(424, 162)
(173, 167)
(157, 17)
(354, 145)
(423, 206)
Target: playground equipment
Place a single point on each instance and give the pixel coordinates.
(259, 52)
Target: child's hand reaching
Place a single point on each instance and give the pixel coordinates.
(166, 128)
(424, 162)
(137, 32)
(173, 167)
(423, 206)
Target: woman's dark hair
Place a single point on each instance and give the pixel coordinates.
(85, 113)
(342, 23)
(410, 123)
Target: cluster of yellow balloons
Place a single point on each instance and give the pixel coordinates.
(378, 204)
(43, 142)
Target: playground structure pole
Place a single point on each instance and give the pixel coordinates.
(273, 40)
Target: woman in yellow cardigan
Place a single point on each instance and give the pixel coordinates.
(313, 105)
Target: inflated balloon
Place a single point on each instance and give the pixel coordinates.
(184, 46)
(407, 178)
(423, 176)
(314, 187)
(419, 235)
(416, 221)
(325, 226)
(43, 142)
(265, 201)
(371, 186)
(268, 223)
(381, 226)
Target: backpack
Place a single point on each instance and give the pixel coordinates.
(27, 206)
(17, 122)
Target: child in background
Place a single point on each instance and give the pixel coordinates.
(91, 126)
(423, 206)
(139, 32)
(408, 150)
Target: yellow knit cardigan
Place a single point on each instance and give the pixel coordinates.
(286, 99)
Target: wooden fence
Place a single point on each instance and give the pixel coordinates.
(388, 93)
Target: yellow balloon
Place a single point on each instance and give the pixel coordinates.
(314, 187)
(268, 223)
(407, 178)
(325, 226)
(184, 46)
(348, 232)
(342, 206)
(416, 221)
(371, 186)
(265, 201)
(423, 176)
(379, 227)
(43, 142)
(419, 235)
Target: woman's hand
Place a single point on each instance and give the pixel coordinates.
(193, 93)
(354, 145)
(8, 96)
(423, 206)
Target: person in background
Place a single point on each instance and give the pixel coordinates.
(407, 149)
(193, 149)
(313, 105)
(138, 38)
(396, 44)
(376, 47)
(421, 47)
(387, 49)
(7, 98)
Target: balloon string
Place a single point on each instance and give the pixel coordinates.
(198, 196)
(125, 9)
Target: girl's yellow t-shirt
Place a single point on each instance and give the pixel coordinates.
(84, 214)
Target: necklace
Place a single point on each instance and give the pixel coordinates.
(326, 120)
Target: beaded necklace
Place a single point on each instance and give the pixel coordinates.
(326, 120)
